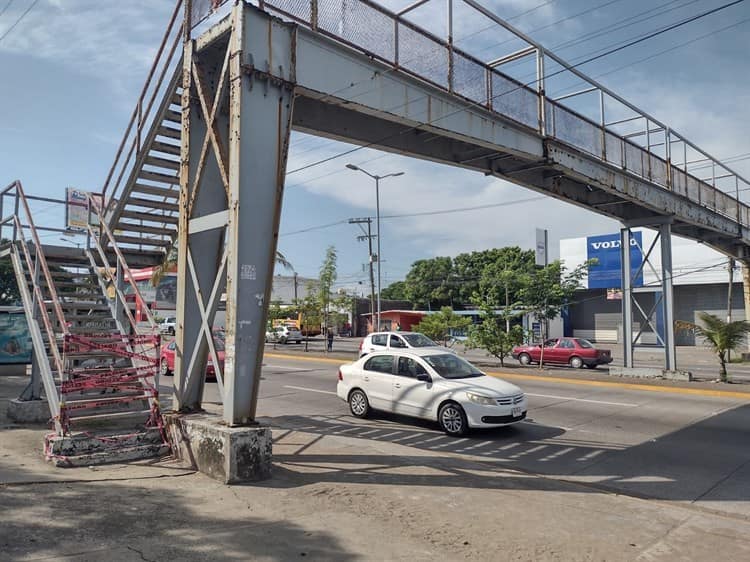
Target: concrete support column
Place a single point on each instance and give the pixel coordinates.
(746, 290)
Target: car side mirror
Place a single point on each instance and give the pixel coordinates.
(424, 377)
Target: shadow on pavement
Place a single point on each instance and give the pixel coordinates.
(157, 520)
(706, 461)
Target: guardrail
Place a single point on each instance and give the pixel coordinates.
(664, 158)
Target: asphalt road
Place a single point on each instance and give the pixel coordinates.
(660, 443)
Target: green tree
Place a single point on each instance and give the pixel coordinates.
(438, 326)
(326, 279)
(545, 291)
(491, 334)
(721, 336)
(395, 291)
(430, 283)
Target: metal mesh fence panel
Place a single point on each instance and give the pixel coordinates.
(693, 189)
(422, 55)
(514, 101)
(708, 196)
(298, 9)
(199, 9)
(613, 146)
(578, 132)
(469, 79)
(633, 159)
(679, 181)
(658, 170)
(360, 24)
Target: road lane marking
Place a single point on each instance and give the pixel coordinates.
(579, 382)
(310, 389)
(287, 368)
(624, 404)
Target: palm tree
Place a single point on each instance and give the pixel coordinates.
(170, 263)
(720, 336)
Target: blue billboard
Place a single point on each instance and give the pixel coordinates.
(15, 342)
(607, 272)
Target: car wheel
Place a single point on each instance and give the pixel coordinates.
(452, 419)
(298, 341)
(576, 362)
(359, 406)
(171, 331)
(524, 359)
(164, 368)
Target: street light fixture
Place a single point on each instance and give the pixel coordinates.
(377, 215)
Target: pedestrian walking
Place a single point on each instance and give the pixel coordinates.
(330, 339)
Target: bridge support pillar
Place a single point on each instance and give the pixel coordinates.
(658, 315)
(237, 102)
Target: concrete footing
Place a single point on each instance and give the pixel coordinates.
(28, 411)
(228, 454)
(651, 373)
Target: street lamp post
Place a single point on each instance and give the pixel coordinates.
(377, 216)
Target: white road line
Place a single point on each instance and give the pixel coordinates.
(287, 368)
(310, 389)
(624, 404)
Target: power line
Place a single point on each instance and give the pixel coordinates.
(20, 18)
(5, 9)
(425, 213)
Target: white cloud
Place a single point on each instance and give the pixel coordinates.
(115, 43)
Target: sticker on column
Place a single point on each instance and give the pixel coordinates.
(247, 272)
(260, 298)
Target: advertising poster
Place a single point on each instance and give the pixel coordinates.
(607, 272)
(15, 343)
(77, 209)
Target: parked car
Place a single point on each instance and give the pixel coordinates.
(575, 352)
(433, 384)
(168, 325)
(284, 334)
(381, 341)
(168, 352)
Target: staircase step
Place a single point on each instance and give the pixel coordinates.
(177, 99)
(158, 191)
(157, 177)
(166, 148)
(151, 204)
(124, 454)
(133, 227)
(158, 162)
(149, 217)
(169, 133)
(80, 306)
(143, 241)
(173, 116)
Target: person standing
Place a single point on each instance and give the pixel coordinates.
(329, 336)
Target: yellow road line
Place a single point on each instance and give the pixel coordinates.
(547, 378)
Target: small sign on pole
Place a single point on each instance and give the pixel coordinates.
(541, 247)
(77, 209)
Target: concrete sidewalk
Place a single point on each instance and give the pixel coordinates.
(336, 498)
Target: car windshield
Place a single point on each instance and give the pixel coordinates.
(586, 344)
(450, 366)
(418, 340)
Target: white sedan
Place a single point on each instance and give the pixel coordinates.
(430, 384)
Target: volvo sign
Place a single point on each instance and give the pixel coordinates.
(606, 273)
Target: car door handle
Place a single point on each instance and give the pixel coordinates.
(366, 378)
(397, 384)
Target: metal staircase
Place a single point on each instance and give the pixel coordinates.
(96, 367)
(142, 188)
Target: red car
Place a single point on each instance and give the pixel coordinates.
(575, 352)
(167, 358)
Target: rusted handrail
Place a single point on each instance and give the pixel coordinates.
(138, 114)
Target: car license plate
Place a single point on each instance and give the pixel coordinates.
(515, 412)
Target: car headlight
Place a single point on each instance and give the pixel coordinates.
(479, 399)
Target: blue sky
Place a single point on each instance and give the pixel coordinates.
(71, 72)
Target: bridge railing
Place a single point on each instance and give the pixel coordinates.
(652, 151)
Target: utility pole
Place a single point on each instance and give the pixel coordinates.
(368, 236)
